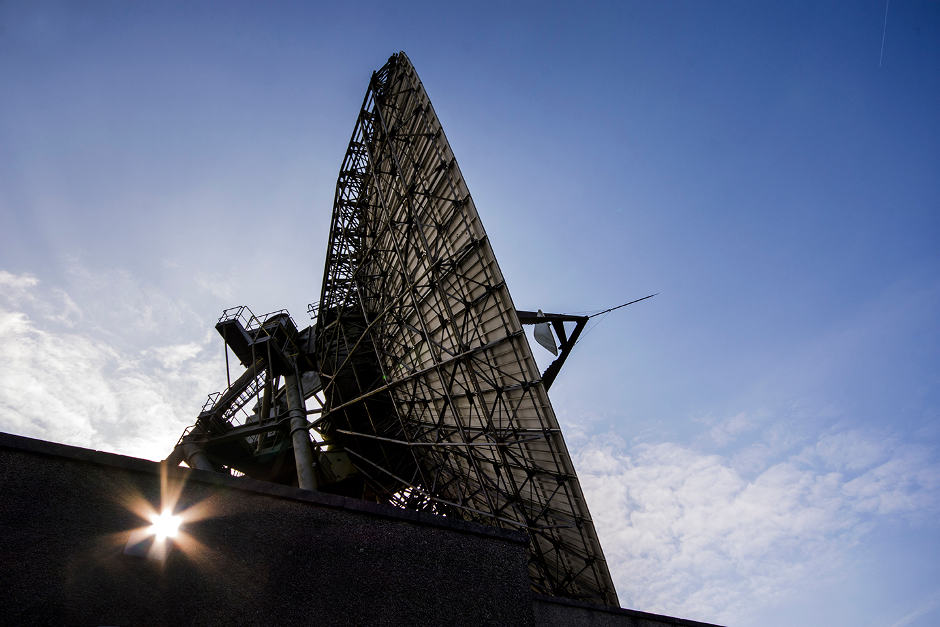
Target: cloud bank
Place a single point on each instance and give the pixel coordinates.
(75, 371)
(701, 535)
(720, 529)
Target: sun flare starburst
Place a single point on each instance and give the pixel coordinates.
(165, 525)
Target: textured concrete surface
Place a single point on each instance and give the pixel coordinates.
(263, 555)
(554, 611)
(250, 553)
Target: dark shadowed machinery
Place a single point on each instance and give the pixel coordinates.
(415, 384)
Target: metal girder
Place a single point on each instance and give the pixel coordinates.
(426, 378)
(429, 382)
(567, 343)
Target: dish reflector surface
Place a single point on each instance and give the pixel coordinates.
(429, 380)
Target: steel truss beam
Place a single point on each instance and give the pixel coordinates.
(430, 384)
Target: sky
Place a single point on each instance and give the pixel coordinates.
(758, 444)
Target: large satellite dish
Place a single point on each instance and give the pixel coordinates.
(429, 396)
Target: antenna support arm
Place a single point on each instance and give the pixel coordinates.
(567, 342)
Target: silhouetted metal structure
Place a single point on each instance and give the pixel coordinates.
(425, 391)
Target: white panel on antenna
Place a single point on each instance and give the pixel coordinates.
(544, 335)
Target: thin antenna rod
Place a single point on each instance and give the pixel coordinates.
(599, 313)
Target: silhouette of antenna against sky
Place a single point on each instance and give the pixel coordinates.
(424, 389)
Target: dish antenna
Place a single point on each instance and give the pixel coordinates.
(427, 395)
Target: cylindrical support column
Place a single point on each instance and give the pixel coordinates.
(300, 434)
(195, 457)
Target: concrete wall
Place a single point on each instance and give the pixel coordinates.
(266, 554)
(259, 553)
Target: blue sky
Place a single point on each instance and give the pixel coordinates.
(758, 443)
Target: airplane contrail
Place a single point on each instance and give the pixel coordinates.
(884, 30)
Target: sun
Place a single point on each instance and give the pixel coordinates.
(165, 525)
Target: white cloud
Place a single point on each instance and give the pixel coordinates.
(10, 281)
(174, 356)
(930, 604)
(726, 431)
(90, 384)
(694, 534)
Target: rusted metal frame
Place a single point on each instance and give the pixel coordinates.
(452, 176)
(542, 432)
(453, 263)
(431, 496)
(407, 350)
(410, 397)
(234, 391)
(373, 248)
(398, 135)
(552, 571)
(558, 465)
(483, 478)
(503, 374)
(538, 500)
(391, 235)
(469, 305)
(359, 384)
(447, 400)
(559, 568)
(539, 412)
(363, 259)
(339, 186)
(486, 270)
(427, 179)
(383, 123)
(404, 353)
(439, 463)
(381, 363)
(547, 501)
(486, 486)
(464, 474)
(341, 248)
(435, 197)
(435, 444)
(590, 541)
(449, 478)
(243, 432)
(346, 231)
(368, 328)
